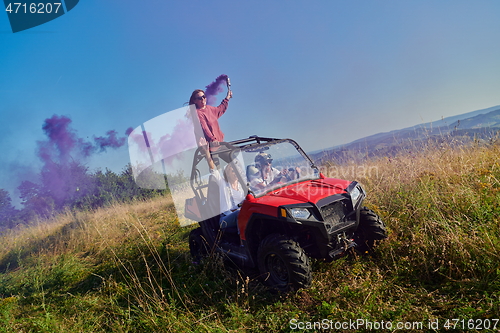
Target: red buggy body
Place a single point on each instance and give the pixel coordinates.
(302, 215)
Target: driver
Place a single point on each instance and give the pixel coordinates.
(266, 174)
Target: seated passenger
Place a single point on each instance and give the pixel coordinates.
(252, 172)
(231, 192)
(293, 173)
(267, 175)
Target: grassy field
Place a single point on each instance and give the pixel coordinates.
(127, 268)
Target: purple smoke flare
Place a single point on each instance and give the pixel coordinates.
(215, 88)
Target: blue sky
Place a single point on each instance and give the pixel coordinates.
(321, 72)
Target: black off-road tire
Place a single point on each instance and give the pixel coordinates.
(370, 232)
(198, 246)
(283, 264)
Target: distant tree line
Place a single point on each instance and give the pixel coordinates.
(75, 188)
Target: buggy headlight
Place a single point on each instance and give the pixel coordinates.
(355, 194)
(300, 213)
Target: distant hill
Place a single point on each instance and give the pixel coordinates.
(489, 120)
(481, 124)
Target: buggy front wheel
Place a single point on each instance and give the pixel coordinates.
(370, 232)
(283, 264)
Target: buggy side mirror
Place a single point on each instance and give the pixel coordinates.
(250, 194)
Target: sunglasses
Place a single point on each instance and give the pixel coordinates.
(199, 98)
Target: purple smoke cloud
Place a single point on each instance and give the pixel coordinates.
(62, 139)
(111, 141)
(167, 145)
(180, 140)
(215, 88)
(62, 174)
(63, 143)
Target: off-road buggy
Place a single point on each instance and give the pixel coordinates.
(299, 216)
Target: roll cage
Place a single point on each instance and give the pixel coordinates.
(228, 151)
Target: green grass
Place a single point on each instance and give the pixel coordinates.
(127, 268)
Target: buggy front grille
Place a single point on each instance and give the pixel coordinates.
(334, 215)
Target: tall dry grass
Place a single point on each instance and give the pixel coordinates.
(126, 268)
(97, 231)
(441, 203)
